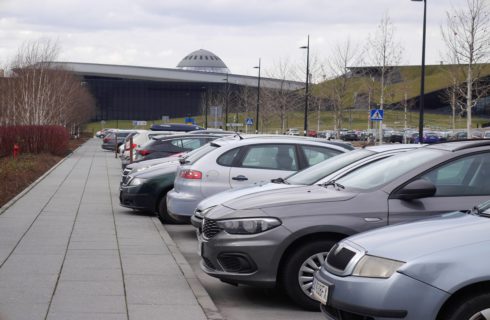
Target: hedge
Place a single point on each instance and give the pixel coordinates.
(34, 139)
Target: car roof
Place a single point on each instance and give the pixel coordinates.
(255, 139)
(393, 146)
(460, 145)
(183, 135)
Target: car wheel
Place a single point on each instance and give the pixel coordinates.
(471, 307)
(163, 213)
(299, 268)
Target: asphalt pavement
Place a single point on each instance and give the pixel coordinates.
(69, 251)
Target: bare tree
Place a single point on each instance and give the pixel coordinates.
(339, 89)
(280, 99)
(467, 37)
(37, 92)
(384, 53)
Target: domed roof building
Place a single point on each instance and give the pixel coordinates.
(203, 60)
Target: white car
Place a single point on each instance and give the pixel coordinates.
(139, 139)
(247, 162)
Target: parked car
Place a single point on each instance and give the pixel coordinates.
(431, 269)
(146, 189)
(247, 162)
(103, 132)
(320, 173)
(349, 136)
(114, 138)
(486, 135)
(283, 236)
(175, 127)
(167, 146)
(292, 132)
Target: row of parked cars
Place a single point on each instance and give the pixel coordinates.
(299, 213)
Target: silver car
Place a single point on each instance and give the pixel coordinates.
(248, 162)
(431, 269)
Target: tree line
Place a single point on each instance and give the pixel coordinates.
(36, 92)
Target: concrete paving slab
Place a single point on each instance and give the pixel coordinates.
(69, 251)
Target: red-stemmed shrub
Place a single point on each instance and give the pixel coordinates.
(34, 139)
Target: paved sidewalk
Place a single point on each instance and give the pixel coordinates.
(69, 251)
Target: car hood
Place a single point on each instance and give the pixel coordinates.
(407, 242)
(164, 168)
(231, 194)
(289, 196)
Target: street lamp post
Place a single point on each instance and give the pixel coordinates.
(307, 47)
(422, 77)
(226, 102)
(205, 107)
(258, 101)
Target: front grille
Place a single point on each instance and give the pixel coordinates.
(210, 228)
(339, 258)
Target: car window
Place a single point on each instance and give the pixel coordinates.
(316, 155)
(313, 174)
(191, 143)
(377, 174)
(465, 176)
(227, 158)
(278, 157)
(176, 142)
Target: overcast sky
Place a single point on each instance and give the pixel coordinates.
(159, 33)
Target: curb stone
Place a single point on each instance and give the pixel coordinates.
(203, 298)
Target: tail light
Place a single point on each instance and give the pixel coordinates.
(106, 140)
(191, 174)
(144, 152)
(134, 145)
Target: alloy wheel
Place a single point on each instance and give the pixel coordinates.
(308, 269)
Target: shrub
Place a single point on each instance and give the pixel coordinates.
(34, 139)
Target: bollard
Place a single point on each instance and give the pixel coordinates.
(16, 150)
(131, 150)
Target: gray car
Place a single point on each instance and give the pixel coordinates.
(322, 172)
(282, 237)
(432, 269)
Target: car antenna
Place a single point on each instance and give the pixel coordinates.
(239, 136)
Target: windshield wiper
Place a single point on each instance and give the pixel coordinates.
(476, 211)
(333, 183)
(279, 180)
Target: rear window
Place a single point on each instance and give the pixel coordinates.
(227, 158)
(198, 153)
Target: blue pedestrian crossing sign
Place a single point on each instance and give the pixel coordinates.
(249, 121)
(377, 115)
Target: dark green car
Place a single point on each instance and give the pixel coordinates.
(146, 190)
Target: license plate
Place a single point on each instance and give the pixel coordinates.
(320, 291)
(199, 243)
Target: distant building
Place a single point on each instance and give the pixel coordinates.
(145, 93)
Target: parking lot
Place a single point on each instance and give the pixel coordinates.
(237, 303)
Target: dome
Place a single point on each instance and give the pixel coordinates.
(203, 60)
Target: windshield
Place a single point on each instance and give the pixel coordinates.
(196, 154)
(325, 168)
(384, 171)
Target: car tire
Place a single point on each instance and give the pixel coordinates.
(469, 307)
(162, 212)
(296, 270)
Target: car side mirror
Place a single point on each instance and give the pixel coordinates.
(415, 190)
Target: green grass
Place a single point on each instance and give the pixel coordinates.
(357, 120)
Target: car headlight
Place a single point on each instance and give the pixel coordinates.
(376, 267)
(137, 181)
(248, 225)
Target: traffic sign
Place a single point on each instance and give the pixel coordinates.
(249, 121)
(377, 115)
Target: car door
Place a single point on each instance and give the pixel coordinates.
(262, 162)
(460, 184)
